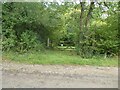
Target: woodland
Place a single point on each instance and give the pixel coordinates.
(80, 30)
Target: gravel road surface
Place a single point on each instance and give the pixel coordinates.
(15, 75)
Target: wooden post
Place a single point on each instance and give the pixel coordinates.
(48, 42)
(105, 56)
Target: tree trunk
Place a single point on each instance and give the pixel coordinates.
(82, 47)
(89, 15)
(88, 48)
(79, 44)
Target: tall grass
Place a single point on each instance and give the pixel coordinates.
(58, 57)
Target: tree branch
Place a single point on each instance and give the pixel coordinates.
(89, 14)
(106, 5)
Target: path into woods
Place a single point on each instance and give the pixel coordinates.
(17, 75)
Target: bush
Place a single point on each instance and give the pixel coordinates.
(8, 40)
(28, 41)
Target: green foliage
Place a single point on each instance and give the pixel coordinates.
(27, 26)
(106, 35)
(102, 34)
(28, 40)
(9, 39)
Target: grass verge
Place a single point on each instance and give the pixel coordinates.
(57, 57)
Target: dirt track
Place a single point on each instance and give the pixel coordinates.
(16, 75)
